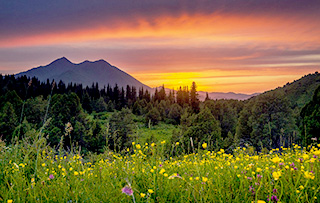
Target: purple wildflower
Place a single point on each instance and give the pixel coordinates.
(294, 168)
(249, 178)
(274, 198)
(160, 165)
(127, 190)
(292, 164)
(274, 190)
(251, 189)
(259, 176)
(51, 176)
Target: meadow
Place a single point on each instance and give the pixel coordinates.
(32, 171)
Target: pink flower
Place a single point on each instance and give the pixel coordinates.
(127, 190)
(51, 176)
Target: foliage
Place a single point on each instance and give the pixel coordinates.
(311, 119)
(120, 127)
(203, 128)
(267, 121)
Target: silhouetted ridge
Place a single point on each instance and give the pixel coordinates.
(84, 73)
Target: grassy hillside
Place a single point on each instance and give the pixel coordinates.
(300, 92)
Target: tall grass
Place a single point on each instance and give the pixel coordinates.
(286, 175)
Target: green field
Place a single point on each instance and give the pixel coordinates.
(37, 173)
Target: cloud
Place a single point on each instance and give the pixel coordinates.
(39, 22)
(219, 43)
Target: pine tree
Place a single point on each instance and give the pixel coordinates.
(194, 100)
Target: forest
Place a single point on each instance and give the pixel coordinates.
(95, 118)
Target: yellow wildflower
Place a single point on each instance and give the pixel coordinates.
(142, 195)
(204, 145)
(162, 171)
(204, 179)
(276, 175)
(150, 191)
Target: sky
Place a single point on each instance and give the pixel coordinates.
(243, 46)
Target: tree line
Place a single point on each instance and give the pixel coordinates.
(264, 122)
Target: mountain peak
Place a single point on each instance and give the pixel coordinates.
(62, 60)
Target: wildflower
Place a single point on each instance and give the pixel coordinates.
(162, 171)
(177, 143)
(204, 179)
(274, 190)
(152, 144)
(127, 190)
(275, 160)
(51, 176)
(259, 201)
(76, 173)
(142, 195)
(309, 175)
(163, 142)
(204, 145)
(259, 170)
(305, 156)
(276, 175)
(43, 164)
(133, 143)
(138, 146)
(150, 191)
(9, 201)
(274, 198)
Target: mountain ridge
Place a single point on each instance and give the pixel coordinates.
(86, 73)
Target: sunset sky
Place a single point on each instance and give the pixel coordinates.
(243, 46)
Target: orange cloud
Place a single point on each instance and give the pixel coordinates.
(196, 30)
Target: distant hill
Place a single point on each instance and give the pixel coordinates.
(84, 73)
(223, 95)
(215, 95)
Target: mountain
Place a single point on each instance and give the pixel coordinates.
(223, 95)
(85, 73)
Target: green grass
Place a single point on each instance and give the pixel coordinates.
(290, 176)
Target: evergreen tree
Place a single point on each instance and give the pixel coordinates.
(194, 100)
(311, 119)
